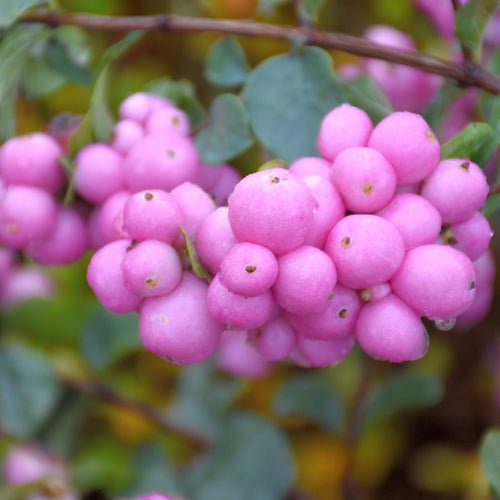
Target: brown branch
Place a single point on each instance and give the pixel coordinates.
(107, 394)
(468, 74)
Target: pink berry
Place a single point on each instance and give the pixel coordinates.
(275, 339)
(108, 212)
(26, 214)
(105, 278)
(218, 180)
(311, 165)
(390, 330)
(151, 268)
(138, 106)
(160, 161)
(125, 134)
(236, 310)
(178, 326)
(312, 352)
(168, 119)
(237, 356)
(416, 219)
(457, 188)
(335, 322)
(98, 172)
(364, 178)
(437, 281)
(367, 250)
(306, 278)
(273, 208)
(344, 127)
(248, 269)
(215, 239)
(409, 145)
(32, 160)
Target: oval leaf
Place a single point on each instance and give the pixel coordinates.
(228, 132)
(226, 65)
(13, 9)
(404, 391)
(251, 461)
(29, 391)
(287, 96)
(490, 459)
(466, 142)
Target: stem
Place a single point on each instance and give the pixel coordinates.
(466, 74)
(466, 52)
(348, 488)
(107, 394)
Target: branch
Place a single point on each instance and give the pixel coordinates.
(468, 74)
(107, 394)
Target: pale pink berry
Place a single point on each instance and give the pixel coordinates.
(310, 165)
(409, 145)
(367, 250)
(32, 160)
(306, 278)
(138, 106)
(125, 134)
(375, 293)
(248, 269)
(365, 179)
(437, 281)
(108, 212)
(273, 208)
(390, 330)
(313, 352)
(457, 188)
(105, 278)
(98, 172)
(275, 340)
(215, 239)
(151, 268)
(168, 119)
(218, 180)
(344, 127)
(178, 326)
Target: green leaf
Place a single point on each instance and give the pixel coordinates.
(118, 49)
(196, 265)
(402, 392)
(363, 92)
(202, 399)
(60, 60)
(107, 337)
(491, 206)
(39, 78)
(490, 459)
(19, 491)
(182, 94)
(226, 64)
(310, 396)
(251, 460)
(487, 149)
(152, 472)
(227, 133)
(471, 21)
(466, 142)
(29, 390)
(8, 113)
(13, 9)
(287, 96)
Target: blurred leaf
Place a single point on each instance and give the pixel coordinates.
(76, 43)
(107, 337)
(14, 53)
(203, 398)
(152, 472)
(13, 9)
(491, 206)
(471, 20)
(403, 391)
(363, 92)
(29, 390)
(310, 9)
(182, 94)
(196, 265)
(227, 133)
(102, 464)
(490, 459)
(19, 491)
(226, 64)
(484, 153)
(251, 460)
(98, 122)
(287, 96)
(467, 142)
(268, 6)
(62, 429)
(436, 112)
(61, 61)
(310, 396)
(40, 78)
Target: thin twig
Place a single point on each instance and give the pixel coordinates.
(467, 55)
(109, 395)
(475, 76)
